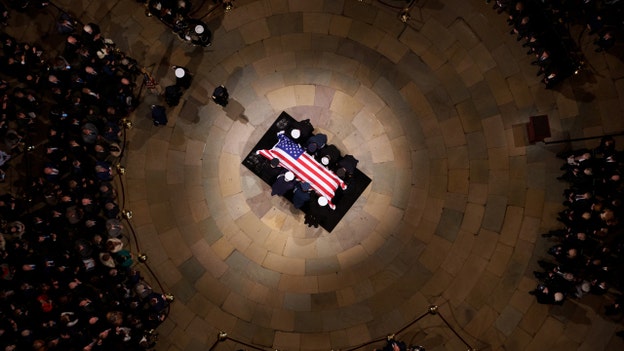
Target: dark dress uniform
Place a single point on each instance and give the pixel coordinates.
(315, 212)
(316, 142)
(220, 95)
(281, 185)
(305, 129)
(301, 194)
(346, 167)
(331, 152)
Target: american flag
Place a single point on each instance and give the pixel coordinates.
(294, 158)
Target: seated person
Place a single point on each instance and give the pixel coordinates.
(316, 142)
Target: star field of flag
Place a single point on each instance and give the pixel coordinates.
(290, 147)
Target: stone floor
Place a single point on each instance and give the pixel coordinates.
(435, 111)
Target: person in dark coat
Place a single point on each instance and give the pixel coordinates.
(273, 170)
(159, 115)
(346, 167)
(300, 131)
(316, 210)
(315, 143)
(328, 156)
(301, 194)
(183, 77)
(220, 96)
(283, 184)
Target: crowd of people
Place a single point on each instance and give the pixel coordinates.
(587, 255)
(69, 278)
(543, 26)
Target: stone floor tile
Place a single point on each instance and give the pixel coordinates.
(471, 76)
(500, 259)
(282, 319)
(345, 105)
(598, 335)
(432, 258)
(517, 192)
(253, 32)
(452, 132)
(285, 341)
(283, 264)
(449, 224)
(298, 284)
(392, 48)
(504, 60)
(175, 246)
(534, 202)
(468, 115)
(464, 282)
(494, 132)
(283, 98)
(547, 335)
(380, 149)
(482, 321)
(482, 57)
(458, 181)
(365, 34)
(433, 57)
(300, 247)
(511, 225)
(494, 212)
(508, 320)
(192, 269)
(458, 157)
(316, 22)
(439, 35)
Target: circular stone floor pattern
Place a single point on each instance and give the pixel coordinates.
(451, 216)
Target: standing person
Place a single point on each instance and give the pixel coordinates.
(183, 77)
(220, 95)
(316, 210)
(301, 194)
(316, 142)
(198, 33)
(283, 184)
